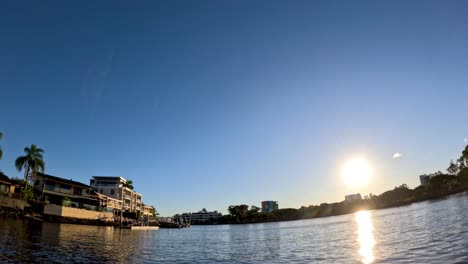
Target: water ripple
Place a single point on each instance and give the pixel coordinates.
(428, 232)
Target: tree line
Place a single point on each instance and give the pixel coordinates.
(440, 184)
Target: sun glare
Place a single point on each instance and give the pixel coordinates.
(356, 172)
(365, 236)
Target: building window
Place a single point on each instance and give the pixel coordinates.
(49, 186)
(78, 191)
(101, 190)
(64, 188)
(112, 191)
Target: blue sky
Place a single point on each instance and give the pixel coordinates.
(205, 104)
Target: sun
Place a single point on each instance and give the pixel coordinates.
(356, 172)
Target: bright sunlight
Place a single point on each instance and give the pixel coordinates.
(356, 172)
(365, 236)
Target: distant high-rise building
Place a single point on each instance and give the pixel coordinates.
(353, 197)
(269, 206)
(424, 179)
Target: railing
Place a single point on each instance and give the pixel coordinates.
(57, 189)
(87, 207)
(104, 185)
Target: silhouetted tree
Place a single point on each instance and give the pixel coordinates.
(463, 160)
(453, 168)
(238, 212)
(32, 163)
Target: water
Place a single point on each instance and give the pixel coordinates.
(427, 232)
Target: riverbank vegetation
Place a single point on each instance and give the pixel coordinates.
(32, 163)
(439, 185)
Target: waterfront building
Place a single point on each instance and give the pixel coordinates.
(269, 206)
(68, 198)
(424, 179)
(111, 204)
(6, 185)
(60, 191)
(148, 210)
(114, 187)
(353, 197)
(202, 216)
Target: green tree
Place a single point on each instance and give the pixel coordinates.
(128, 184)
(463, 176)
(28, 194)
(463, 160)
(453, 168)
(254, 209)
(238, 212)
(253, 213)
(32, 163)
(441, 184)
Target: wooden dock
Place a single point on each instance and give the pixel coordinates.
(140, 227)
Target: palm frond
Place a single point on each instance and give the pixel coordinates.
(21, 162)
(40, 165)
(27, 151)
(37, 156)
(35, 149)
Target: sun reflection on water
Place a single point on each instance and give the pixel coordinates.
(365, 236)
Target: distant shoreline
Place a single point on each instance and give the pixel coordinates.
(17, 213)
(440, 186)
(367, 209)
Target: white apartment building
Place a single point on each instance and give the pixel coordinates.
(202, 216)
(113, 186)
(148, 210)
(353, 197)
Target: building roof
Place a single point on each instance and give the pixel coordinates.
(109, 177)
(71, 182)
(4, 178)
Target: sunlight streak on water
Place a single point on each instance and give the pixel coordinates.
(365, 236)
(429, 232)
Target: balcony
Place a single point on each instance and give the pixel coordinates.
(58, 189)
(104, 185)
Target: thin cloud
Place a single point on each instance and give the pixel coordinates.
(95, 80)
(396, 155)
(466, 140)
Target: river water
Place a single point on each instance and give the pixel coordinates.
(427, 232)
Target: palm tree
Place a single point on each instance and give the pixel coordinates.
(32, 162)
(1, 151)
(128, 184)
